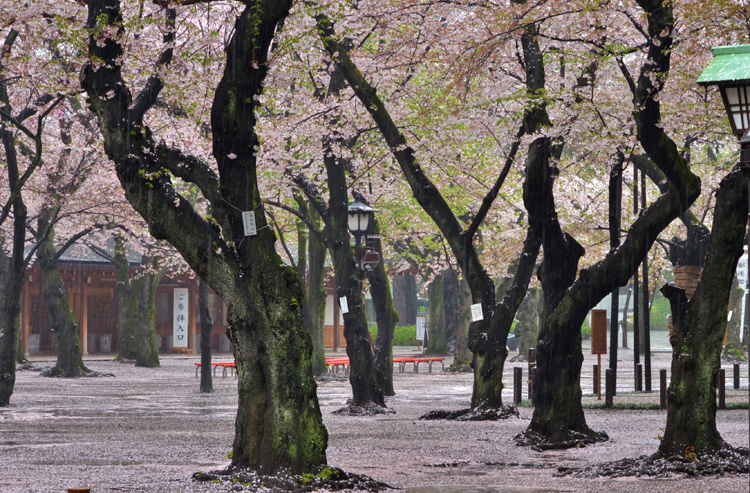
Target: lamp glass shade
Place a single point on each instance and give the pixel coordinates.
(358, 222)
(737, 103)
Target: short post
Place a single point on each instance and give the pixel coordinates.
(722, 389)
(639, 377)
(662, 389)
(610, 384)
(736, 374)
(517, 384)
(596, 382)
(532, 376)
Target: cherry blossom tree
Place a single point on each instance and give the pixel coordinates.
(279, 425)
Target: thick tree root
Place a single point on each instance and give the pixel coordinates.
(55, 372)
(571, 439)
(476, 414)
(726, 461)
(370, 409)
(326, 478)
(460, 368)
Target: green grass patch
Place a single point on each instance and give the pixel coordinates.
(404, 335)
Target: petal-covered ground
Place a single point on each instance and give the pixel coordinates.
(150, 430)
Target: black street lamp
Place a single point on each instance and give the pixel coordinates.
(730, 70)
(360, 221)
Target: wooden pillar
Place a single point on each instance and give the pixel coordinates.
(25, 317)
(83, 318)
(193, 311)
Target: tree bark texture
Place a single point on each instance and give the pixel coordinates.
(699, 327)
(365, 390)
(451, 287)
(437, 342)
(527, 327)
(127, 308)
(144, 289)
(558, 416)
(315, 310)
(278, 424)
(462, 354)
(207, 384)
(69, 356)
(11, 307)
(386, 317)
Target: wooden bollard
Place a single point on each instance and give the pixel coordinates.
(639, 377)
(609, 387)
(532, 376)
(736, 374)
(517, 384)
(596, 381)
(79, 490)
(722, 389)
(662, 389)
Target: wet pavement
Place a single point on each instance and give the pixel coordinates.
(151, 429)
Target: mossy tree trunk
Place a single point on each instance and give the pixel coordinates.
(386, 317)
(136, 300)
(437, 341)
(279, 425)
(699, 327)
(126, 302)
(558, 417)
(311, 270)
(69, 355)
(207, 324)
(144, 289)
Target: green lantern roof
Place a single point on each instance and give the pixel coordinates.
(730, 64)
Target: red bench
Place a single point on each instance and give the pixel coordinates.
(224, 365)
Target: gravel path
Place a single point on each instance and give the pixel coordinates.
(149, 430)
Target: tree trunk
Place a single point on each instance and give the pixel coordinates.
(207, 385)
(69, 356)
(437, 340)
(145, 287)
(451, 287)
(462, 354)
(527, 328)
(279, 425)
(405, 298)
(365, 390)
(127, 308)
(11, 307)
(699, 327)
(386, 317)
(312, 278)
